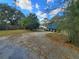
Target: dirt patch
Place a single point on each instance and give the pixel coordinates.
(38, 46)
(57, 37)
(60, 40)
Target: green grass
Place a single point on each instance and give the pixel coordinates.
(12, 32)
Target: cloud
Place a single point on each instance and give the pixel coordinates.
(41, 15)
(37, 6)
(56, 11)
(24, 4)
(49, 1)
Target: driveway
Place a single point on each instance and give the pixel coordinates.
(33, 45)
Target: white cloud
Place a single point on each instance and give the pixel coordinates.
(56, 11)
(37, 6)
(49, 1)
(41, 15)
(24, 4)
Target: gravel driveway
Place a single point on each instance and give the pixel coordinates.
(33, 45)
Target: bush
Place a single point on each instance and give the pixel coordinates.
(70, 23)
(30, 22)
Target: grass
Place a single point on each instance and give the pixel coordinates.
(12, 32)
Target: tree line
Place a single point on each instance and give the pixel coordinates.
(11, 16)
(70, 22)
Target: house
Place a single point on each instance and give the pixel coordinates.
(52, 27)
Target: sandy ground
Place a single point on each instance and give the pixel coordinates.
(33, 45)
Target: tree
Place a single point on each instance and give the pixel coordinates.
(30, 22)
(70, 23)
(9, 14)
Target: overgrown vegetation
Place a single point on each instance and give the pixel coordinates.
(70, 23)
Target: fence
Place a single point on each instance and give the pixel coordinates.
(9, 27)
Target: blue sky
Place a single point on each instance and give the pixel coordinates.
(42, 8)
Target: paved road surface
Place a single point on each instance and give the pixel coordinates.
(33, 46)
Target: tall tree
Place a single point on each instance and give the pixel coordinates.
(70, 24)
(9, 14)
(30, 22)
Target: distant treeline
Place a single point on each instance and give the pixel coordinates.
(11, 18)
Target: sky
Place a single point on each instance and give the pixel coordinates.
(42, 8)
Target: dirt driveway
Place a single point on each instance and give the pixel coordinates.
(33, 46)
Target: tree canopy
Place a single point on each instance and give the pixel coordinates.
(9, 15)
(30, 22)
(70, 23)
